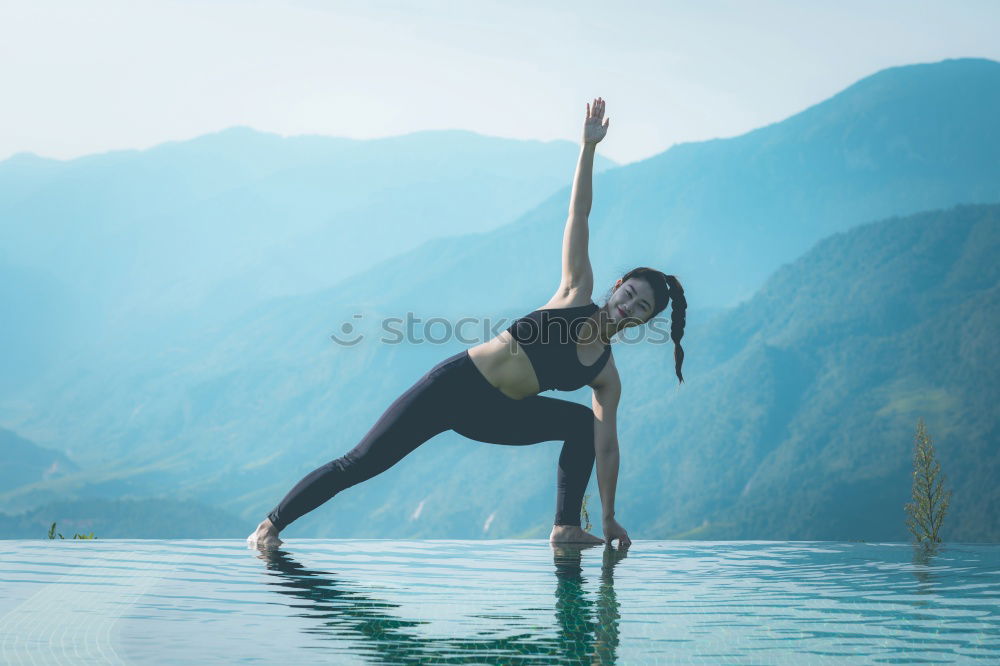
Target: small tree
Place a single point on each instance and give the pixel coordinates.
(586, 516)
(930, 500)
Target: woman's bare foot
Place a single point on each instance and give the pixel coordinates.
(572, 534)
(265, 536)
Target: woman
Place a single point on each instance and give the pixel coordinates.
(490, 392)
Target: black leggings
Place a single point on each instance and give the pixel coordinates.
(454, 395)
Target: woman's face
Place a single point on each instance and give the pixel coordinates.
(631, 304)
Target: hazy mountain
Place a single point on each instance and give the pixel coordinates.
(234, 412)
(724, 214)
(124, 244)
(124, 519)
(804, 429)
(25, 462)
(796, 421)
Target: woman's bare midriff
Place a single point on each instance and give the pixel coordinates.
(507, 367)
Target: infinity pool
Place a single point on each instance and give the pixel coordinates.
(489, 602)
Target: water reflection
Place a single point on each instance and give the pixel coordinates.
(587, 629)
(923, 567)
(583, 624)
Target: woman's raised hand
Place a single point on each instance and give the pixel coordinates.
(593, 127)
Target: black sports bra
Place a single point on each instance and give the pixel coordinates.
(549, 338)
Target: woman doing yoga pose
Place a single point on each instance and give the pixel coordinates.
(489, 392)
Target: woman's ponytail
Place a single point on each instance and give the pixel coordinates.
(677, 317)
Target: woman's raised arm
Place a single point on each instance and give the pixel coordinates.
(576, 271)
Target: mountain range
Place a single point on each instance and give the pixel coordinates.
(108, 248)
(837, 294)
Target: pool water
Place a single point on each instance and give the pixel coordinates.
(497, 602)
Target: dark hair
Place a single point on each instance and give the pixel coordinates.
(666, 288)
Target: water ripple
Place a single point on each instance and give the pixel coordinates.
(404, 602)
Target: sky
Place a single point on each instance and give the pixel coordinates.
(88, 77)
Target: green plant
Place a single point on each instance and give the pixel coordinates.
(586, 516)
(930, 499)
(53, 534)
